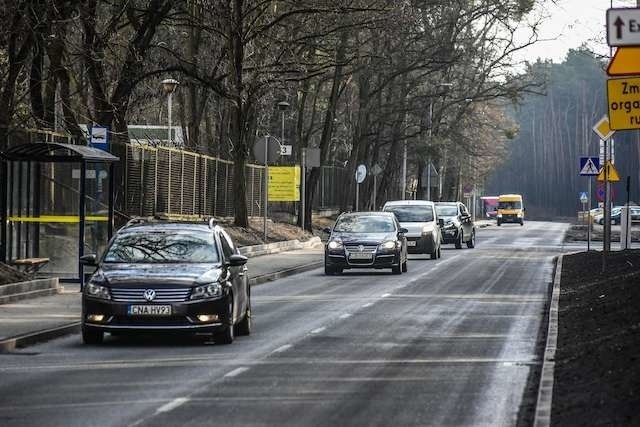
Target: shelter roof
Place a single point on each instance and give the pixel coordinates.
(56, 152)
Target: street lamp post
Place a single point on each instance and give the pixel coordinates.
(283, 106)
(169, 86)
(430, 134)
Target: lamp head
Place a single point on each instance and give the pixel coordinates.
(283, 105)
(169, 85)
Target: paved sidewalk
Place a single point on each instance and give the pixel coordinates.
(43, 318)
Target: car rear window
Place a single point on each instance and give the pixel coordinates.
(411, 213)
(365, 224)
(161, 247)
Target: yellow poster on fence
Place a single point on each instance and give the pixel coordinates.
(284, 183)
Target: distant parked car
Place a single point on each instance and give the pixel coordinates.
(366, 240)
(616, 215)
(419, 217)
(458, 225)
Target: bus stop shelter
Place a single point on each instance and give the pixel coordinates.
(43, 203)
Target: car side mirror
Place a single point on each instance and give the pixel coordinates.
(403, 231)
(441, 222)
(90, 260)
(327, 230)
(237, 260)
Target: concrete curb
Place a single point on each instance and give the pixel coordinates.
(10, 344)
(30, 289)
(545, 389)
(273, 248)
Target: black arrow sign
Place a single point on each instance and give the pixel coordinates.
(619, 23)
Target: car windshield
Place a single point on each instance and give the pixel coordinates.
(162, 247)
(447, 210)
(510, 205)
(365, 224)
(411, 213)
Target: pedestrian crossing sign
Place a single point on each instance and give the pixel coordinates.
(589, 166)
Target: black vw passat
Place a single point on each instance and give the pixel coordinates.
(366, 240)
(167, 276)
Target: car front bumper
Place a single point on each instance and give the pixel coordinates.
(450, 235)
(183, 318)
(379, 260)
(422, 245)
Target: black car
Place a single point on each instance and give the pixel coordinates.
(366, 240)
(167, 276)
(458, 224)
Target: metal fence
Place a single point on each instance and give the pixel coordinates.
(162, 180)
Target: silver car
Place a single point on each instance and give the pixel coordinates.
(419, 217)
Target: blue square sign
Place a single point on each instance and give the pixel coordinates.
(589, 166)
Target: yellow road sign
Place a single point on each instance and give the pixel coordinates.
(625, 62)
(284, 183)
(624, 103)
(602, 129)
(612, 173)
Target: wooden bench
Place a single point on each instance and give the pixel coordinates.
(30, 265)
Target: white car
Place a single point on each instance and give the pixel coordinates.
(420, 218)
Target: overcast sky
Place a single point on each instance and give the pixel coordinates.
(570, 23)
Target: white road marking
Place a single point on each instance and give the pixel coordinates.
(317, 331)
(236, 372)
(172, 405)
(369, 304)
(282, 348)
(345, 316)
(385, 295)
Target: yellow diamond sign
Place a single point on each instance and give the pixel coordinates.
(602, 129)
(612, 173)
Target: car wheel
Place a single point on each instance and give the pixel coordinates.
(92, 337)
(459, 240)
(328, 270)
(521, 222)
(472, 241)
(439, 251)
(338, 270)
(397, 269)
(498, 222)
(243, 328)
(225, 336)
(434, 254)
(404, 267)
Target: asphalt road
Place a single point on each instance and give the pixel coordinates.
(451, 342)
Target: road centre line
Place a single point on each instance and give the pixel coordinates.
(345, 316)
(369, 304)
(282, 348)
(172, 405)
(317, 331)
(236, 372)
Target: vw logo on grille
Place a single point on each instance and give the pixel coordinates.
(361, 248)
(149, 295)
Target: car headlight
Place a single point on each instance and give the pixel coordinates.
(499, 215)
(389, 246)
(335, 244)
(519, 215)
(210, 290)
(426, 230)
(97, 291)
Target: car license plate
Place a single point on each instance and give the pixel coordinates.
(411, 242)
(149, 310)
(361, 255)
